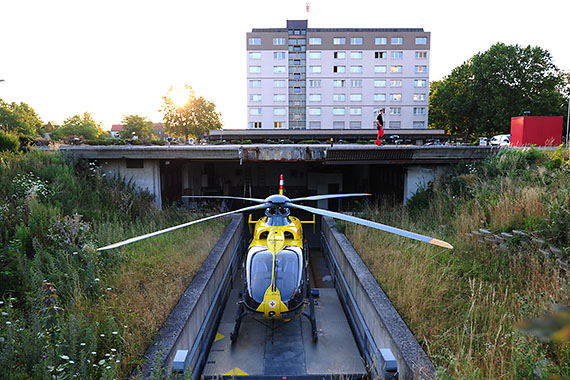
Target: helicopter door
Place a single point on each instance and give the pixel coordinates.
(288, 271)
(260, 268)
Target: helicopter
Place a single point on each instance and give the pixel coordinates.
(276, 283)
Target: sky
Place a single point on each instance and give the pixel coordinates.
(120, 57)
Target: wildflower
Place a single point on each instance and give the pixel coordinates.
(71, 362)
(117, 361)
(4, 313)
(102, 335)
(8, 323)
(114, 350)
(82, 344)
(115, 332)
(93, 353)
(108, 288)
(64, 357)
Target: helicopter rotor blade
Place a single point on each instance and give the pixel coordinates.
(368, 223)
(146, 236)
(223, 197)
(329, 196)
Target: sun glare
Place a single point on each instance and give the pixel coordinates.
(179, 97)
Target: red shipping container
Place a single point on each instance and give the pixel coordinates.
(536, 130)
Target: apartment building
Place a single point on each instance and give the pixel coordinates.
(337, 78)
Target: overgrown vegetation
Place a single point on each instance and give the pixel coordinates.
(464, 305)
(66, 310)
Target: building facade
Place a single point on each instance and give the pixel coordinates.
(337, 78)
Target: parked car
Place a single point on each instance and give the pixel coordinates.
(501, 140)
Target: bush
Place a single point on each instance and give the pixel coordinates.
(9, 142)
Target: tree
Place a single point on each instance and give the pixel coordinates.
(135, 125)
(480, 96)
(19, 118)
(77, 125)
(185, 115)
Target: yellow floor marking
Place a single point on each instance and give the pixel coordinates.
(235, 372)
(218, 337)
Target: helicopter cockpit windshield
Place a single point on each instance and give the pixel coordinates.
(287, 272)
(287, 268)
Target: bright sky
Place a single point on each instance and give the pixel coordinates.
(119, 57)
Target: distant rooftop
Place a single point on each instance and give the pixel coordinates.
(302, 24)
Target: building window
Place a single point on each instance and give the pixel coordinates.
(395, 125)
(355, 111)
(419, 111)
(255, 111)
(314, 125)
(338, 124)
(419, 97)
(397, 41)
(279, 41)
(420, 69)
(339, 69)
(356, 69)
(339, 41)
(419, 124)
(297, 90)
(255, 41)
(254, 55)
(313, 83)
(380, 69)
(420, 83)
(339, 97)
(339, 54)
(380, 83)
(315, 41)
(355, 124)
(380, 54)
(380, 40)
(314, 55)
(279, 69)
(278, 124)
(355, 97)
(355, 83)
(397, 54)
(315, 69)
(356, 55)
(255, 97)
(395, 97)
(279, 55)
(379, 97)
(338, 111)
(421, 54)
(254, 69)
(356, 41)
(315, 111)
(254, 83)
(339, 83)
(395, 111)
(421, 40)
(255, 124)
(396, 69)
(279, 111)
(395, 83)
(279, 83)
(279, 97)
(314, 97)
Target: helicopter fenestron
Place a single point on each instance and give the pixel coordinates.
(276, 281)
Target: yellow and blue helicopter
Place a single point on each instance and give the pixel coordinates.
(275, 273)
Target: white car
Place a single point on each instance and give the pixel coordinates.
(501, 140)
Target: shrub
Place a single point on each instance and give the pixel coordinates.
(9, 142)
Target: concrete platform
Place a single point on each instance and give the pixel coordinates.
(277, 350)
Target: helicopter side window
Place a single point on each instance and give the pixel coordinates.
(286, 273)
(260, 274)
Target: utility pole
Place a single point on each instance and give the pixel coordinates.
(567, 122)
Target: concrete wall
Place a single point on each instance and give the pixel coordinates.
(385, 324)
(418, 177)
(145, 178)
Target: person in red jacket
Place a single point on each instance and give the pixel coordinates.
(380, 126)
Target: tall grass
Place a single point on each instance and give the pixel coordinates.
(463, 304)
(67, 310)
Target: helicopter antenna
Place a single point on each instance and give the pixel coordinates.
(281, 183)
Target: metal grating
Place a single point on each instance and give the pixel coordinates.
(369, 154)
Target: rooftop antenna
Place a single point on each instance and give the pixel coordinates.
(308, 7)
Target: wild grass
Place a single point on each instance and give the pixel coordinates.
(67, 310)
(463, 305)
